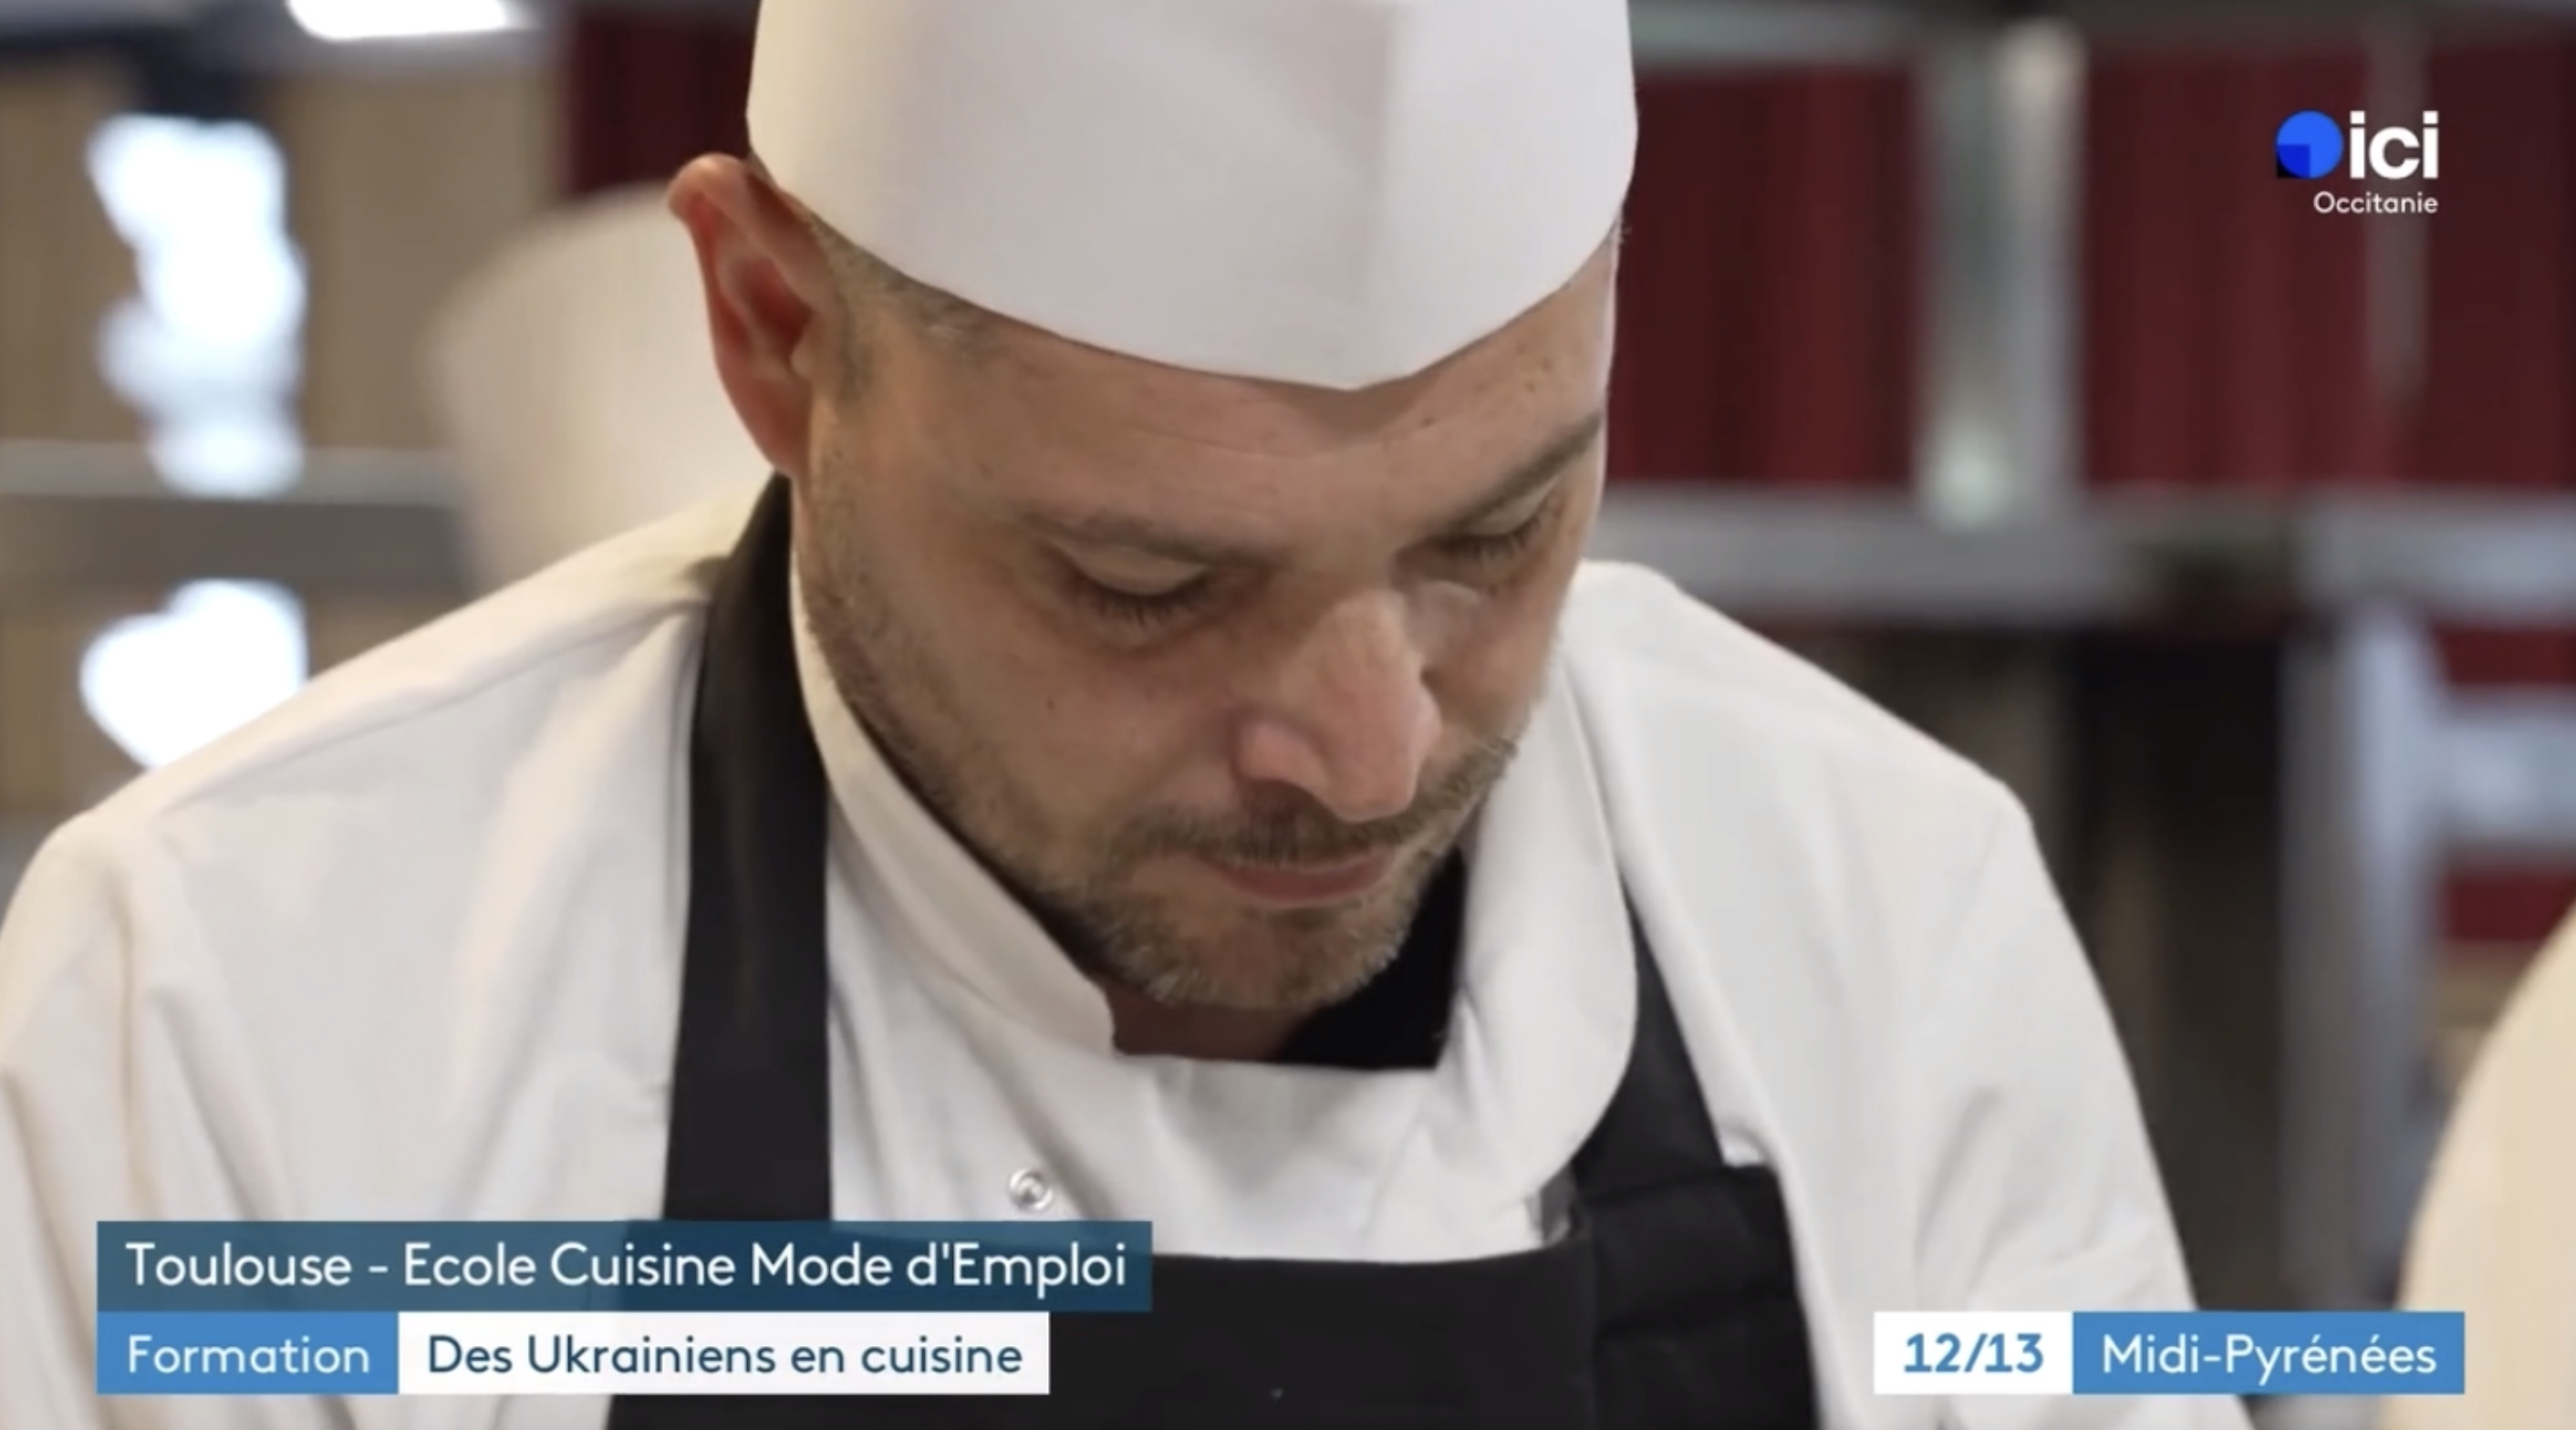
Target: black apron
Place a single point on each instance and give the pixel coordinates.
(1670, 1304)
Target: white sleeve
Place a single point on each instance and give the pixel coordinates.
(65, 1162)
(2039, 1189)
(115, 1068)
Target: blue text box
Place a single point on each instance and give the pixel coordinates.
(249, 1353)
(2363, 1353)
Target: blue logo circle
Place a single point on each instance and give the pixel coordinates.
(2308, 146)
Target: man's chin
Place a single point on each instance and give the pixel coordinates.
(1185, 936)
(1312, 957)
(1277, 978)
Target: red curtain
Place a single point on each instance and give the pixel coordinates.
(1767, 317)
(2502, 408)
(2227, 323)
(2224, 322)
(645, 93)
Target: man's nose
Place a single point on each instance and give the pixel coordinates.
(1349, 719)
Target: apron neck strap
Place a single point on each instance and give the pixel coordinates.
(750, 1135)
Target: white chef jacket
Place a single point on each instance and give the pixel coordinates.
(409, 949)
(2496, 1236)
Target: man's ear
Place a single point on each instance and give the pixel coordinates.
(768, 291)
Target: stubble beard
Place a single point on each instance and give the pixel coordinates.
(1259, 960)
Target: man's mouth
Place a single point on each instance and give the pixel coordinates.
(1296, 885)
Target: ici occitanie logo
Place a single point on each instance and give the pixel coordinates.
(2310, 145)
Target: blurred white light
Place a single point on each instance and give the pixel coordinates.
(155, 172)
(1971, 479)
(221, 655)
(346, 20)
(168, 376)
(228, 454)
(207, 352)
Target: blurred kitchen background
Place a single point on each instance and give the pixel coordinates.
(1980, 350)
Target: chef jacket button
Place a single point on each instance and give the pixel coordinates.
(1031, 1191)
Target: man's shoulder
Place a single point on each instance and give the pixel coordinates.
(1663, 669)
(1760, 803)
(467, 695)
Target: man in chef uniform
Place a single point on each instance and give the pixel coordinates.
(1153, 751)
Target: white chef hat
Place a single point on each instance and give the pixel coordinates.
(576, 383)
(1328, 192)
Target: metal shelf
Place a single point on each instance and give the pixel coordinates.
(2503, 559)
(76, 517)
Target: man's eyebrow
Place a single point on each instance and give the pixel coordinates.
(1538, 471)
(1118, 531)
